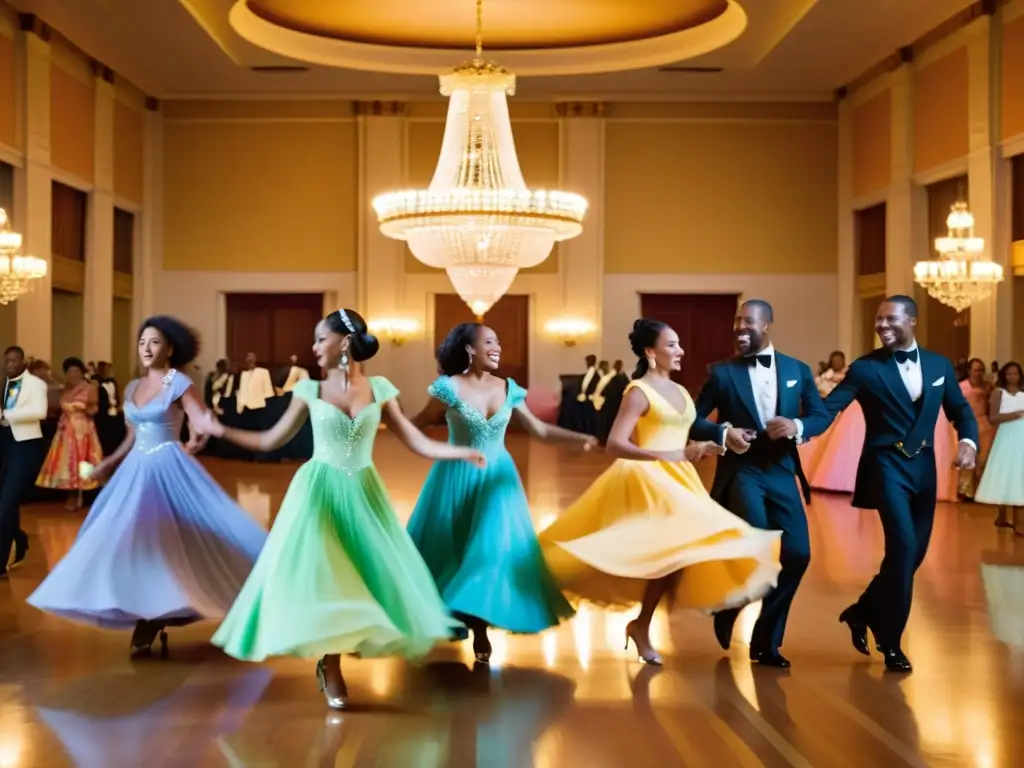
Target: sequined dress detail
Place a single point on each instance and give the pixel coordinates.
(474, 529)
(162, 541)
(339, 573)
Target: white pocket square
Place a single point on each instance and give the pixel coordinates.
(939, 381)
(791, 383)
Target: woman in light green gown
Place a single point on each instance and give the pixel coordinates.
(338, 574)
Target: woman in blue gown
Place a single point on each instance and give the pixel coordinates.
(471, 525)
(163, 544)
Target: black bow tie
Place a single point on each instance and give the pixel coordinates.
(765, 360)
(903, 355)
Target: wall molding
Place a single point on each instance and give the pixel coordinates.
(869, 200)
(1012, 146)
(947, 170)
(11, 156)
(252, 120)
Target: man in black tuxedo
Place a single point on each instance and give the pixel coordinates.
(900, 387)
(774, 399)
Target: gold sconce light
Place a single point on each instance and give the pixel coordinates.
(570, 329)
(395, 329)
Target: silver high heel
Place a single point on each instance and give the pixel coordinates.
(654, 659)
(334, 702)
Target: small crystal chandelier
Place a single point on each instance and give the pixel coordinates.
(16, 271)
(478, 220)
(960, 276)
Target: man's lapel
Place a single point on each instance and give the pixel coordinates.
(891, 376)
(788, 402)
(740, 372)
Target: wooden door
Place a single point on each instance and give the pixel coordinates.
(704, 324)
(510, 319)
(273, 325)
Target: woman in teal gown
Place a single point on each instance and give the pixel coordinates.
(472, 525)
(338, 573)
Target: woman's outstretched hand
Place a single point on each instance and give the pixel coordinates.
(208, 426)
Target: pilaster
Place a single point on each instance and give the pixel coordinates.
(34, 189)
(149, 244)
(846, 269)
(906, 216)
(98, 299)
(581, 146)
(988, 179)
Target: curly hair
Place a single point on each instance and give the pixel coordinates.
(1005, 368)
(644, 335)
(183, 340)
(72, 362)
(452, 357)
(348, 322)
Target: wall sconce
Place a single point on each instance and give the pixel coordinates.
(569, 329)
(395, 329)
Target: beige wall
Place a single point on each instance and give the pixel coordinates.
(72, 115)
(8, 132)
(940, 110)
(67, 328)
(260, 187)
(872, 153)
(716, 194)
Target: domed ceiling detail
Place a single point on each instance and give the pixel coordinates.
(531, 37)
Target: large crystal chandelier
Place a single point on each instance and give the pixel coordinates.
(960, 276)
(16, 271)
(478, 220)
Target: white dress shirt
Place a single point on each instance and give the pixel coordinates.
(598, 398)
(295, 375)
(111, 388)
(913, 380)
(765, 383)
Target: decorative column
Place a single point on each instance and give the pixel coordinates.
(581, 144)
(149, 244)
(988, 179)
(34, 189)
(98, 300)
(846, 269)
(381, 279)
(906, 215)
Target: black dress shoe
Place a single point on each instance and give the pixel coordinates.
(20, 552)
(858, 629)
(724, 622)
(896, 660)
(769, 659)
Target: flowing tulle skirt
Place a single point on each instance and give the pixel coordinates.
(162, 542)
(1003, 480)
(643, 520)
(338, 575)
(474, 530)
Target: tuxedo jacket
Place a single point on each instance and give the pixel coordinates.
(894, 424)
(729, 391)
(29, 408)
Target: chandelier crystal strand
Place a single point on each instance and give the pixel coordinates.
(960, 276)
(16, 271)
(478, 220)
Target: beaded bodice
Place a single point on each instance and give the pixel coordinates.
(157, 423)
(466, 425)
(341, 441)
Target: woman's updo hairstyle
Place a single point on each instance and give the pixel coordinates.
(73, 362)
(362, 344)
(183, 340)
(452, 357)
(644, 336)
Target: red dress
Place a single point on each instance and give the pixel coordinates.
(76, 441)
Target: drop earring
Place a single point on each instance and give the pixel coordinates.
(470, 353)
(343, 367)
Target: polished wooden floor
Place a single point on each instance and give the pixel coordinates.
(570, 697)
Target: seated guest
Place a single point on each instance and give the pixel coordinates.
(254, 386)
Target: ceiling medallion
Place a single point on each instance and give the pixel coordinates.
(478, 220)
(959, 276)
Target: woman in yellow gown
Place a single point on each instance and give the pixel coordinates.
(647, 528)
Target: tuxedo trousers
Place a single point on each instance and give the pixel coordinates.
(19, 466)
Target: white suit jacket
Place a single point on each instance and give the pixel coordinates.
(254, 389)
(29, 408)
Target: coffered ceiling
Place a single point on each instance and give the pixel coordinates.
(782, 49)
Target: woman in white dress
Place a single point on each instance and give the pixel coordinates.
(1002, 483)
